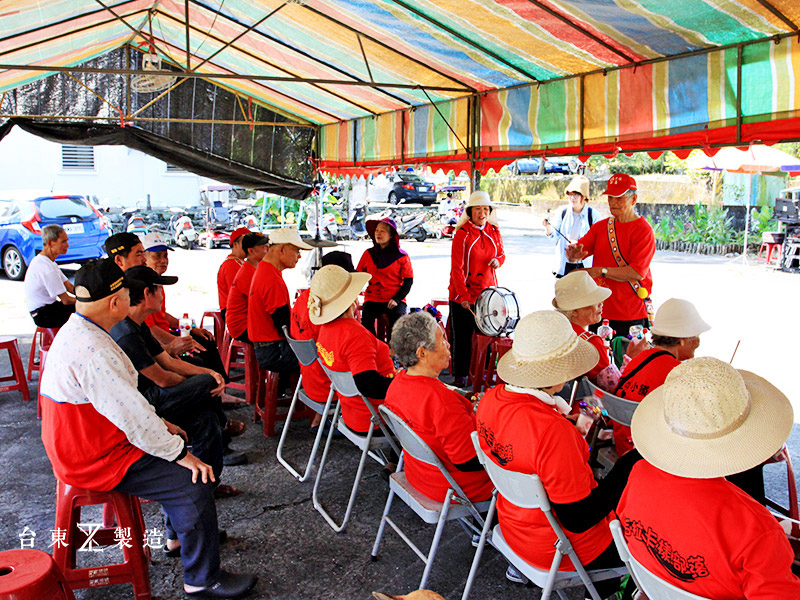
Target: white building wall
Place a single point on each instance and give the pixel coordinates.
(121, 177)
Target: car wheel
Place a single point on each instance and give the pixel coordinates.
(13, 264)
(393, 199)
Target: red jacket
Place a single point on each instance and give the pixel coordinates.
(470, 272)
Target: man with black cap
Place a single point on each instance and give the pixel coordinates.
(101, 434)
(254, 246)
(180, 391)
(125, 249)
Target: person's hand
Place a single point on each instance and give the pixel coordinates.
(465, 304)
(203, 333)
(548, 228)
(637, 347)
(197, 467)
(217, 391)
(494, 263)
(576, 253)
(175, 430)
(183, 345)
(391, 303)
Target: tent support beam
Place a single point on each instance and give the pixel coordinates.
(188, 46)
(141, 27)
(446, 122)
(582, 30)
(464, 39)
(739, 60)
(366, 62)
(211, 76)
(778, 14)
(119, 18)
(160, 120)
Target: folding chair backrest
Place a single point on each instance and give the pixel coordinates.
(654, 587)
(341, 382)
(521, 489)
(619, 409)
(304, 350)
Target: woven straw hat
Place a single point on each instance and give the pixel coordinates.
(546, 351)
(287, 235)
(578, 184)
(576, 290)
(479, 198)
(678, 319)
(710, 420)
(333, 290)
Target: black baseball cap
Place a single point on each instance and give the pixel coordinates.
(253, 239)
(101, 278)
(145, 276)
(121, 242)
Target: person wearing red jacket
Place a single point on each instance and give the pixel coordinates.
(391, 272)
(477, 252)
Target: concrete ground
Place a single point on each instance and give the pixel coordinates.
(273, 527)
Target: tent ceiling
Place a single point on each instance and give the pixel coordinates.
(324, 61)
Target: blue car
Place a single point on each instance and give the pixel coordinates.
(24, 213)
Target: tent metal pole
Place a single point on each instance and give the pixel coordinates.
(739, 60)
(188, 47)
(160, 120)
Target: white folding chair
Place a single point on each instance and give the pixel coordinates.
(306, 353)
(619, 410)
(654, 587)
(369, 445)
(455, 506)
(527, 491)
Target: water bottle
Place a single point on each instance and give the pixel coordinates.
(636, 332)
(606, 332)
(651, 312)
(185, 325)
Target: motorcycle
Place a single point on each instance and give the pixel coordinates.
(355, 222)
(184, 233)
(449, 212)
(135, 222)
(409, 226)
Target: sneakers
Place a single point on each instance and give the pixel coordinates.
(228, 585)
(513, 575)
(232, 458)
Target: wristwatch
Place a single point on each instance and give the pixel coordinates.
(603, 272)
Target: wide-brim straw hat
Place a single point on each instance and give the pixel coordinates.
(579, 184)
(545, 352)
(710, 420)
(332, 292)
(678, 319)
(576, 290)
(287, 235)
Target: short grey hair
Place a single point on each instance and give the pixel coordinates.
(630, 193)
(413, 331)
(51, 233)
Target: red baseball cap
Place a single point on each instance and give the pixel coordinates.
(619, 184)
(237, 233)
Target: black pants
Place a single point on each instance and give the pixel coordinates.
(190, 510)
(243, 337)
(52, 315)
(208, 358)
(190, 406)
(372, 311)
(608, 559)
(462, 326)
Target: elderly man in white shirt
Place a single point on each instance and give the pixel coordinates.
(48, 293)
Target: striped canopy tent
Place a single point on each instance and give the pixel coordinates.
(457, 84)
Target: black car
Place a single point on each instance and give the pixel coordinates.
(410, 187)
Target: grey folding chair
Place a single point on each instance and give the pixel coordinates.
(527, 491)
(654, 587)
(306, 353)
(618, 409)
(369, 445)
(456, 505)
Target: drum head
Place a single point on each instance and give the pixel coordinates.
(496, 311)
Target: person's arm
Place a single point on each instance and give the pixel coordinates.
(500, 258)
(281, 316)
(403, 291)
(171, 321)
(372, 384)
(474, 464)
(584, 514)
(70, 287)
(186, 369)
(161, 376)
(458, 279)
(626, 273)
(66, 298)
(174, 344)
(765, 566)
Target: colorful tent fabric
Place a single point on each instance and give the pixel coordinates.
(455, 81)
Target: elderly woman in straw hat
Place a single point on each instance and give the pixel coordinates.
(572, 222)
(676, 335)
(345, 345)
(522, 425)
(682, 520)
(476, 252)
(443, 418)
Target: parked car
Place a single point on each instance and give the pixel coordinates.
(24, 213)
(556, 164)
(410, 187)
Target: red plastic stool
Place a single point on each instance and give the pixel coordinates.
(31, 575)
(241, 355)
(770, 248)
(17, 369)
(496, 351)
(44, 336)
(268, 402)
(219, 327)
(477, 365)
(134, 568)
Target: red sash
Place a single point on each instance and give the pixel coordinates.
(612, 240)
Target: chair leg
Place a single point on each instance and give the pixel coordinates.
(382, 526)
(551, 576)
(437, 536)
(479, 550)
(317, 438)
(587, 581)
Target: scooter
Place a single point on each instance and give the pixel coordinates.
(409, 226)
(328, 226)
(135, 222)
(185, 234)
(358, 213)
(449, 212)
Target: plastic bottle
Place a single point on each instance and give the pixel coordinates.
(651, 312)
(185, 325)
(636, 332)
(605, 332)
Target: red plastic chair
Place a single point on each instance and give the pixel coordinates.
(133, 569)
(477, 365)
(219, 327)
(496, 351)
(31, 575)
(238, 355)
(20, 382)
(770, 250)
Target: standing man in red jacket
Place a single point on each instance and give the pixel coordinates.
(477, 252)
